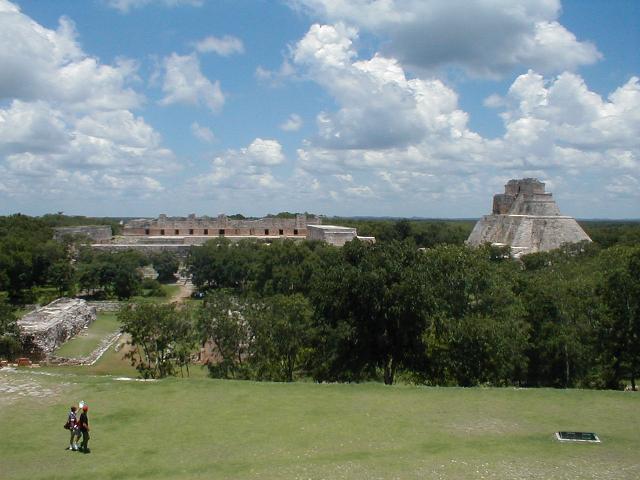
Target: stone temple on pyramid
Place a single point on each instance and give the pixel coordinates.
(526, 218)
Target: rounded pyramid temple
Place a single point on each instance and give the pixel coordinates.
(526, 218)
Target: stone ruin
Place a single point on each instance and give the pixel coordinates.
(96, 233)
(527, 219)
(221, 225)
(47, 328)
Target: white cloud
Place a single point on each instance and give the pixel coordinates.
(42, 64)
(264, 152)
(379, 107)
(277, 77)
(202, 133)
(223, 46)
(65, 123)
(125, 6)
(243, 169)
(498, 34)
(396, 135)
(292, 124)
(185, 84)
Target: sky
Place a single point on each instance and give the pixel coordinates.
(403, 108)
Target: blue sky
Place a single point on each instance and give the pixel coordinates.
(362, 107)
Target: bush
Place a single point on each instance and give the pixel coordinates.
(153, 288)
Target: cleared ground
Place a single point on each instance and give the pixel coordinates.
(200, 428)
(88, 340)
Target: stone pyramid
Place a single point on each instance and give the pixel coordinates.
(526, 218)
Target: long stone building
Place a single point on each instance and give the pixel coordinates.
(179, 234)
(526, 218)
(220, 226)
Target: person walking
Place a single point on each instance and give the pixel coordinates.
(84, 429)
(72, 425)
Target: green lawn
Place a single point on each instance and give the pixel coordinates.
(199, 428)
(88, 340)
(170, 289)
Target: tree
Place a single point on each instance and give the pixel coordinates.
(62, 275)
(9, 332)
(282, 337)
(475, 332)
(621, 295)
(159, 334)
(166, 264)
(223, 325)
(376, 302)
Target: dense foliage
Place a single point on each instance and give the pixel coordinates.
(31, 262)
(448, 315)
(443, 314)
(161, 335)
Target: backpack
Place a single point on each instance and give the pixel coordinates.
(71, 421)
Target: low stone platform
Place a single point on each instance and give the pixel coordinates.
(47, 328)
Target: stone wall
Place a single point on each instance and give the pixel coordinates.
(331, 234)
(105, 305)
(220, 226)
(45, 329)
(97, 233)
(527, 219)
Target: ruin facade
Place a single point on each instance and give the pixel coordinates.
(526, 218)
(47, 328)
(334, 235)
(222, 226)
(97, 233)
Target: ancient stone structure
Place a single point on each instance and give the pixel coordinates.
(45, 329)
(526, 218)
(334, 235)
(179, 234)
(97, 233)
(222, 225)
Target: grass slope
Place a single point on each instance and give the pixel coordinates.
(208, 429)
(88, 340)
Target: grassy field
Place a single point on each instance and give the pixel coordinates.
(88, 340)
(200, 428)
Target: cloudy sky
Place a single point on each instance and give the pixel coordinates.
(339, 107)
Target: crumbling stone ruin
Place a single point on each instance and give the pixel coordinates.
(45, 329)
(96, 233)
(526, 218)
(334, 235)
(220, 226)
(179, 234)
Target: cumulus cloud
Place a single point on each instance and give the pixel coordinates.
(484, 37)
(43, 64)
(185, 84)
(380, 107)
(247, 168)
(65, 123)
(397, 135)
(223, 46)
(202, 133)
(275, 78)
(125, 6)
(292, 124)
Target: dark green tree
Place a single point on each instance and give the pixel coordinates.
(166, 264)
(621, 333)
(9, 333)
(159, 335)
(223, 326)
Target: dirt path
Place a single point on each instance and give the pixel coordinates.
(186, 289)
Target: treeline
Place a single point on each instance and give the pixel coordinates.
(424, 233)
(448, 315)
(30, 261)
